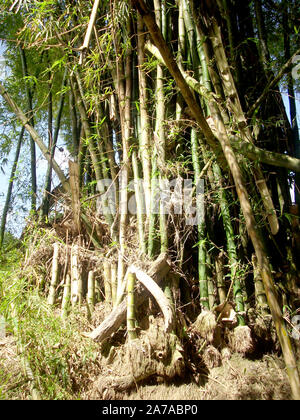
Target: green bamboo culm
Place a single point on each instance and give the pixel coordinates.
(152, 237)
(66, 297)
(231, 247)
(202, 271)
(139, 204)
(131, 307)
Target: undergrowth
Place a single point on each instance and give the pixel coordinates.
(60, 358)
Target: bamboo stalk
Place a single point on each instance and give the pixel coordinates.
(202, 272)
(107, 282)
(219, 263)
(91, 292)
(76, 279)
(114, 282)
(260, 296)
(231, 247)
(144, 117)
(123, 83)
(153, 208)
(139, 204)
(54, 277)
(88, 34)
(65, 305)
(131, 329)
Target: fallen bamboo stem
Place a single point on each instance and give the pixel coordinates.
(158, 294)
(158, 270)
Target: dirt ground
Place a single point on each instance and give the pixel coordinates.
(237, 379)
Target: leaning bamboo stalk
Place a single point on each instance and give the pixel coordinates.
(244, 131)
(89, 30)
(267, 200)
(26, 123)
(262, 258)
(54, 276)
(241, 122)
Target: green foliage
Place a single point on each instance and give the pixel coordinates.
(58, 355)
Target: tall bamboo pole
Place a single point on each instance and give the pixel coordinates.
(145, 147)
(231, 246)
(202, 253)
(160, 138)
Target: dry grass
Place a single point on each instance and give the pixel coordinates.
(13, 385)
(237, 379)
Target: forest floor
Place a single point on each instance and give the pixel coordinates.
(237, 379)
(67, 366)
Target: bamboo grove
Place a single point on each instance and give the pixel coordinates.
(146, 92)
